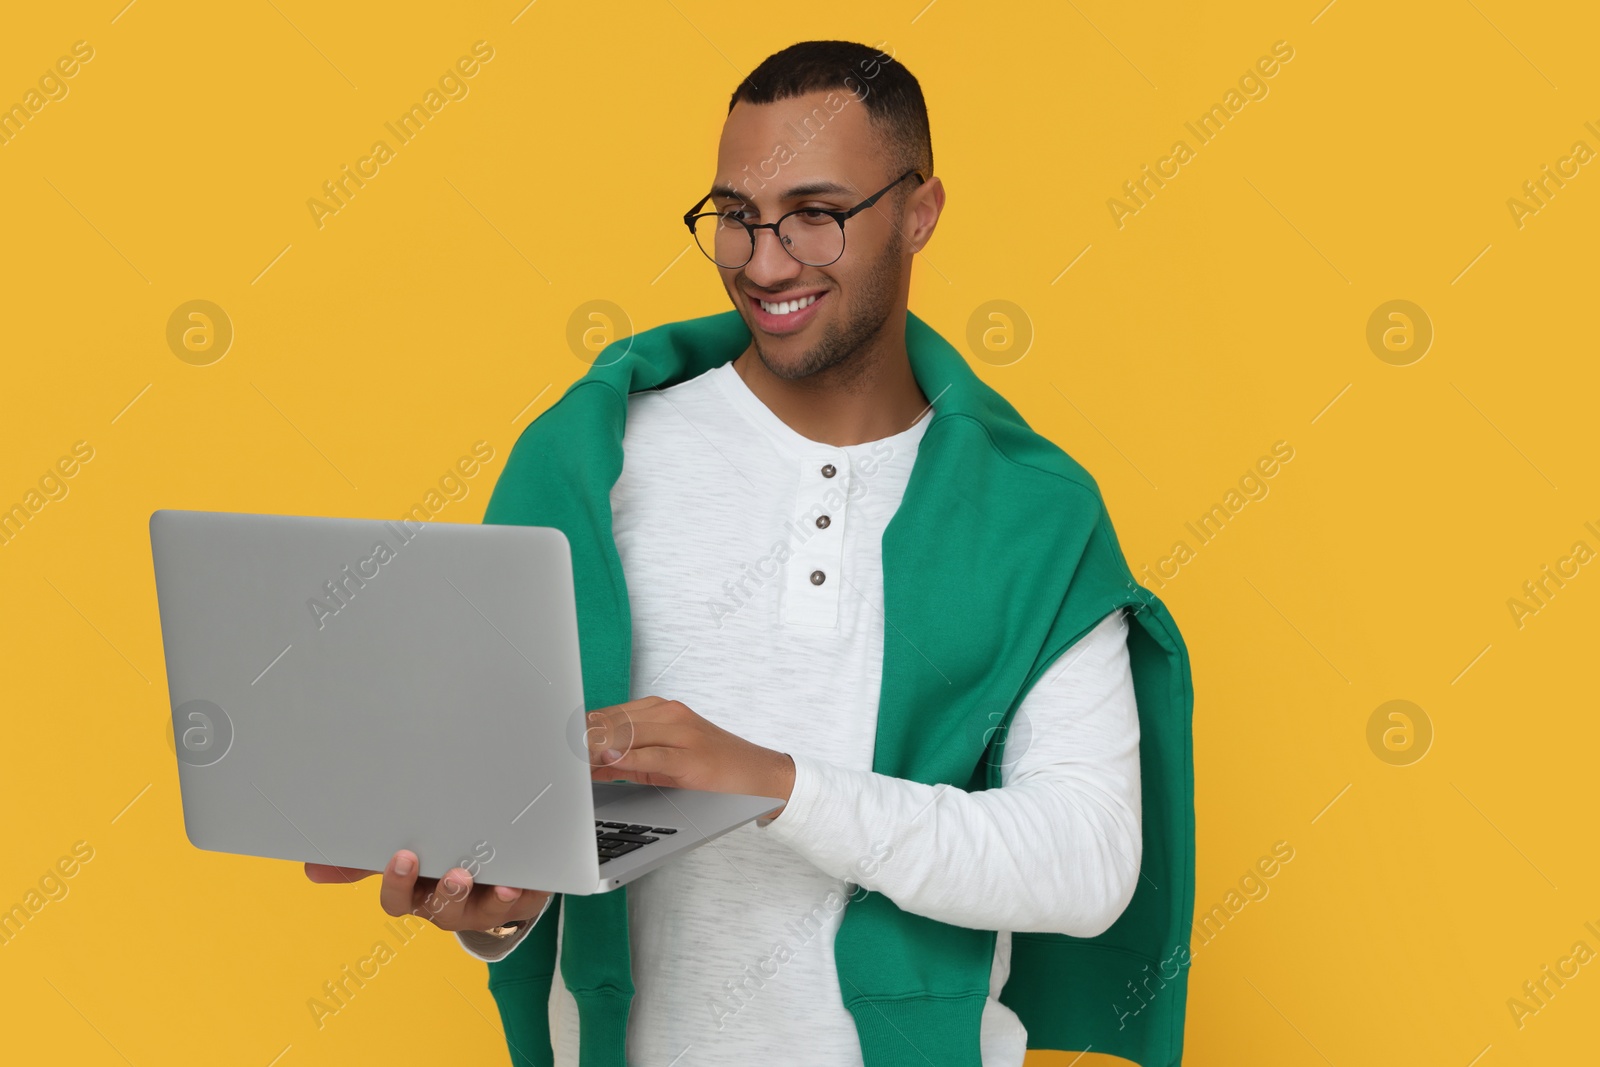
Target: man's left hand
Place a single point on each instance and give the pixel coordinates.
(654, 741)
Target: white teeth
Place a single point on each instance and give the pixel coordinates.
(787, 306)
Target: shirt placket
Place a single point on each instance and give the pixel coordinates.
(814, 573)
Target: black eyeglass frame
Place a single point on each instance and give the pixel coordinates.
(839, 217)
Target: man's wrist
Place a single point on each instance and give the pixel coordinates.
(510, 929)
(782, 782)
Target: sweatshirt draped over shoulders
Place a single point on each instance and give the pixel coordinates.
(1000, 558)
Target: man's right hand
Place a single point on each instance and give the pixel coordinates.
(450, 903)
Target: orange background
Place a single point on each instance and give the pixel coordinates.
(1168, 354)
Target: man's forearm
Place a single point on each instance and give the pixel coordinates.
(1055, 849)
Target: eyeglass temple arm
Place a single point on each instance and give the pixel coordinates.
(873, 199)
(688, 216)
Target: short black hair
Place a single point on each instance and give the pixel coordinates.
(892, 95)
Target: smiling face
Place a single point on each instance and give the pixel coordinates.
(763, 164)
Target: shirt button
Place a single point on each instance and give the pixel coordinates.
(822, 522)
(817, 577)
(828, 470)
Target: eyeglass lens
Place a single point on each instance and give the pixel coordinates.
(813, 238)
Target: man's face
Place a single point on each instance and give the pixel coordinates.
(778, 157)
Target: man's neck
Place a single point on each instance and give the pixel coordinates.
(868, 397)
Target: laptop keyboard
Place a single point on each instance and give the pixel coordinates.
(615, 839)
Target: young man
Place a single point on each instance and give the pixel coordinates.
(838, 569)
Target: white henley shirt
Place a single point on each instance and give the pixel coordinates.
(753, 562)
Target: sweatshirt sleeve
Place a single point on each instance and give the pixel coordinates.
(491, 949)
(1056, 848)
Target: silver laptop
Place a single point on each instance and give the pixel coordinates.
(343, 688)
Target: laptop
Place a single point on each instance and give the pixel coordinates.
(344, 688)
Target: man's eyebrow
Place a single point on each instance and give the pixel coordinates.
(727, 192)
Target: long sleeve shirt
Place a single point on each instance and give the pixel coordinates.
(752, 556)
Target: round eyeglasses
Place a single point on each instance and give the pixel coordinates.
(812, 235)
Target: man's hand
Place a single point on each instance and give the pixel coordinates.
(450, 903)
(663, 742)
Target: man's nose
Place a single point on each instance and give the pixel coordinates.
(771, 265)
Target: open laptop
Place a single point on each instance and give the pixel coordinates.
(343, 688)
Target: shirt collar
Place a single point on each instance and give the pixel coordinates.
(786, 438)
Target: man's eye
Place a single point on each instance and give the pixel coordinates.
(814, 216)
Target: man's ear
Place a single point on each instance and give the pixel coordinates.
(927, 203)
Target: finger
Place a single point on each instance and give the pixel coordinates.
(620, 713)
(399, 883)
(323, 872)
(645, 735)
(652, 763)
(638, 704)
(490, 906)
(595, 734)
(460, 904)
(445, 903)
(614, 754)
(610, 733)
(647, 709)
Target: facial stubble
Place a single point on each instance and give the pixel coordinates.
(865, 318)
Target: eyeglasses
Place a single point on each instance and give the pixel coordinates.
(812, 235)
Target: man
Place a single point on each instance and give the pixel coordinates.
(781, 634)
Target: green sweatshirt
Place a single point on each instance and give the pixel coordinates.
(1000, 557)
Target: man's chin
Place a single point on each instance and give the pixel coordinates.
(784, 358)
(776, 356)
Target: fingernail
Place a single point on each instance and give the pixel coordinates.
(505, 892)
(611, 755)
(402, 866)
